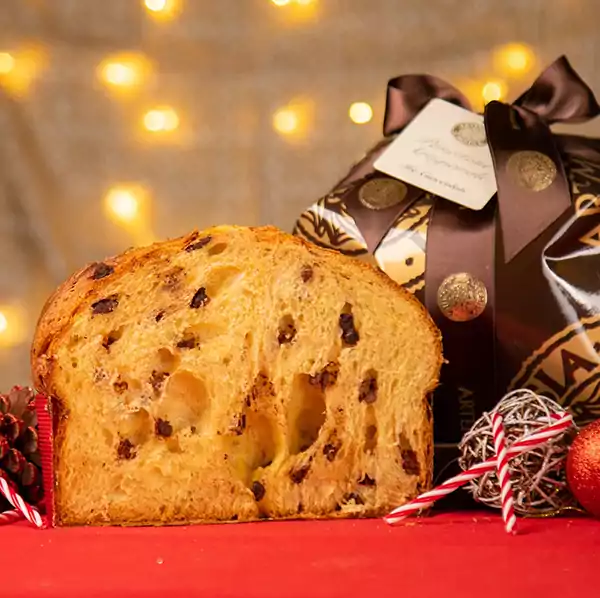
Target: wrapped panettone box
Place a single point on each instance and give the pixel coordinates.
(513, 283)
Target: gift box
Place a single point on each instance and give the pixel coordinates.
(514, 287)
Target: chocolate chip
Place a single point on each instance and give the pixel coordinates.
(409, 261)
(300, 507)
(157, 379)
(126, 450)
(338, 507)
(297, 475)
(105, 306)
(163, 428)
(286, 334)
(198, 244)
(200, 298)
(331, 450)
(193, 429)
(306, 273)
(239, 424)
(159, 316)
(187, 342)
(120, 386)
(258, 490)
(102, 270)
(368, 390)
(350, 335)
(327, 377)
(353, 497)
(234, 517)
(367, 481)
(410, 462)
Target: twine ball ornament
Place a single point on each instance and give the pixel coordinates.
(538, 476)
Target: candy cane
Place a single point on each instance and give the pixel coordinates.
(30, 513)
(10, 517)
(506, 491)
(527, 443)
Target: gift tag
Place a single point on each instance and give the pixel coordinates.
(444, 151)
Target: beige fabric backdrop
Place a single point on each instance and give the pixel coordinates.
(225, 66)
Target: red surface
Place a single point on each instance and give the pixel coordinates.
(446, 555)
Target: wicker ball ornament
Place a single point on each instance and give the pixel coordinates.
(539, 476)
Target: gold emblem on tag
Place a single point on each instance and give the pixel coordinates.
(533, 170)
(379, 194)
(462, 297)
(469, 134)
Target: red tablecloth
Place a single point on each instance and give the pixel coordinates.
(466, 554)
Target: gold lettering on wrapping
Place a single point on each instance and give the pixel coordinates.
(592, 237)
(571, 364)
(587, 205)
(466, 408)
(585, 170)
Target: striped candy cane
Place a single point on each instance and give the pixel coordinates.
(508, 505)
(10, 517)
(30, 513)
(561, 424)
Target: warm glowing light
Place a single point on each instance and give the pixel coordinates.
(280, 2)
(7, 63)
(13, 326)
(286, 121)
(123, 203)
(161, 119)
(360, 113)
(514, 59)
(305, 2)
(123, 71)
(163, 10)
(493, 90)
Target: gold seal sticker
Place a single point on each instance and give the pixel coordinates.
(472, 134)
(533, 170)
(462, 297)
(379, 194)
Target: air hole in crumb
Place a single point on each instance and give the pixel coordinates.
(370, 429)
(184, 401)
(167, 361)
(287, 330)
(120, 386)
(219, 279)
(217, 249)
(112, 337)
(306, 414)
(137, 426)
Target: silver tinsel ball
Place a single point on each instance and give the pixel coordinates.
(538, 476)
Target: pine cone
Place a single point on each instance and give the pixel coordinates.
(19, 456)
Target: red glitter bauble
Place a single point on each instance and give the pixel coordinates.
(583, 468)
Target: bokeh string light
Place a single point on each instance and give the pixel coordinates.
(493, 90)
(514, 59)
(360, 113)
(124, 72)
(128, 206)
(13, 325)
(162, 119)
(163, 10)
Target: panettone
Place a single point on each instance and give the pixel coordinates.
(235, 374)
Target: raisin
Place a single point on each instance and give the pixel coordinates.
(159, 316)
(368, 390)
(105, 306)
(367, 480)
(109, 340)
(327, 376)
(331, 450)
(120, 386)
(163, 428)
(350, 335)
(410, 462)
(157, 379)
(286, 334)
(126, 450)
(198, 244)
(200, 298)
(306, 273)
(258, 490)
(193, 429)
(300, 507)
(297, 475)
(234, 517)
(187, 342)
(102, 270)
(239, 424)
(338, 507)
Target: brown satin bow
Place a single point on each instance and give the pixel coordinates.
(557, 95)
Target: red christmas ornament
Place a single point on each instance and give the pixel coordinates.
(583, 468)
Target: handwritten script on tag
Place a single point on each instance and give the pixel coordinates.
(444, 151)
